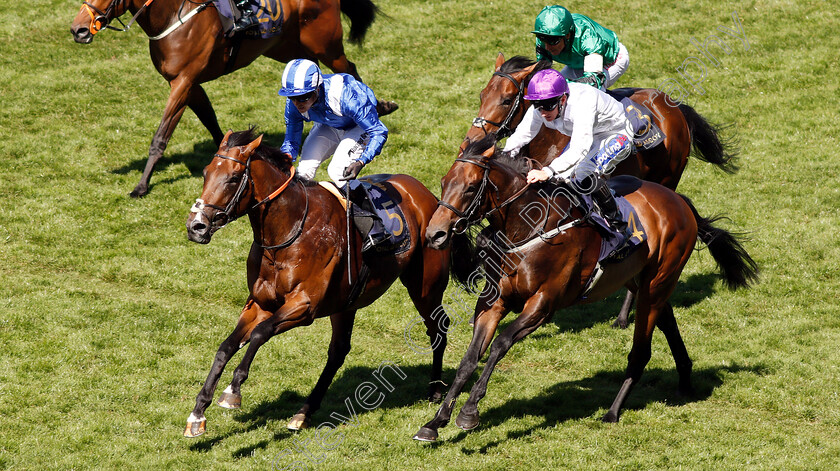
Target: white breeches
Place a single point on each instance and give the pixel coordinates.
(324, 141)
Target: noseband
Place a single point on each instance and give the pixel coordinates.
(504, 126)
(100, 20)
(227, 213)
(468, 217)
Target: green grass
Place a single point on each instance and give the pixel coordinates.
(109, 317)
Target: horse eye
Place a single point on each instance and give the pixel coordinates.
(507, 102)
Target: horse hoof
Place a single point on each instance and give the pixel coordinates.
(610, 417)
(195, 428)
(425, 434)
(230, 400)
(299, 422)
(619, 324)
(467, 421)
(138, 192)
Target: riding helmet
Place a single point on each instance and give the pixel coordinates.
(300, 77)
(553, 21)
(546, 84)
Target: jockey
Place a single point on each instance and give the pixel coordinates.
(347, 125)
(246, 18)
(600, 137)
(591, 53)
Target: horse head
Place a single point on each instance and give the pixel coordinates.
(94, 16)
(476, 186)
(502, 100)
(228, 187)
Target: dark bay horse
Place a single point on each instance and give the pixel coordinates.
(297, 268)
(198, 52)
(503, 106)
(550, 274)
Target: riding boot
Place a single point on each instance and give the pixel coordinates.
(376, 236)
(606, 204)
(247, 18)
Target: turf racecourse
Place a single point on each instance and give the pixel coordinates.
(109, 317)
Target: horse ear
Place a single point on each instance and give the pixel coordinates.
(500, 59)
(225, 139)
(250, 148)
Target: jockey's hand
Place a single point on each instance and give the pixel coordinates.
(352, 170)
(596, 79)
(538, 175)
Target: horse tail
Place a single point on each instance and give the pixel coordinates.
(708, 146)
(738, 269)
(462, 261)
(361, 14)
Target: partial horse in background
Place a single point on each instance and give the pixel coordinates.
(197, 51)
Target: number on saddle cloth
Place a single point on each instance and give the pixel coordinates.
(646, 134)
(376, 215)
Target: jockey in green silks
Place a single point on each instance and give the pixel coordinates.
(591, 53)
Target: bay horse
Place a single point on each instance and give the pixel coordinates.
(686, 132)
(298, 267)
(198, 51)
(548, 274)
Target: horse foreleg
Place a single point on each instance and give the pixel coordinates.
(533, 315)
(175, 106)
(200, 104)
(251, 316)
(426, 279)
(292, 314)
(623, 319)
(342, 329)
(485, 327)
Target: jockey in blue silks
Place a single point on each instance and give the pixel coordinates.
(347, 125)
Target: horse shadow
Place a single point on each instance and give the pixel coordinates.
(195, 160)
(407, 391)
(574, 319)
(579, 399)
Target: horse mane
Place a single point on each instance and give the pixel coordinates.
(270, 154)
(517, 63)
(476, 149)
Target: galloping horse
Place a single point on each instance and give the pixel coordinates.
(503, 106)
(548, 274)
(198, 51)
(299, 268)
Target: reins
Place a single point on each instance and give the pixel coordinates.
(100, 20)
(470, 219)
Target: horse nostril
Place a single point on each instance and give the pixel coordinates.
(82, 35)
(198, 226)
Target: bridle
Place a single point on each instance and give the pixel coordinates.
(470, 216)
(100, 20)
(505, 129)
(226, 214)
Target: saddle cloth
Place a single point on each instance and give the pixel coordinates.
(268, 12)
(370, 200)
(646, 134)
(610, 239)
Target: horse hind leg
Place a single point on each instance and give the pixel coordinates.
(623, 319)
(342, 330)
(667, 323)
(200, 104)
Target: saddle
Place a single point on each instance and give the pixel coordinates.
(269, 13)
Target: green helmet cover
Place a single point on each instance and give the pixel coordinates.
(553, 21)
